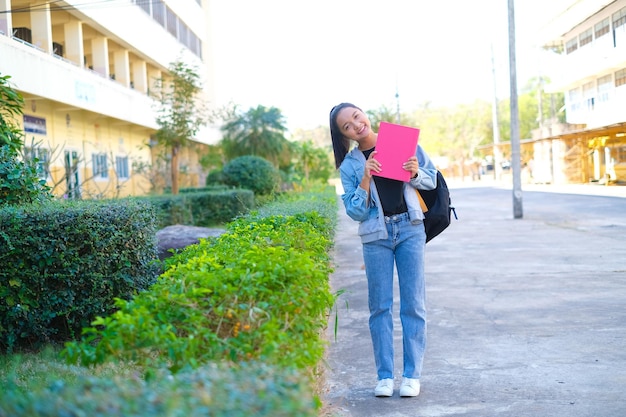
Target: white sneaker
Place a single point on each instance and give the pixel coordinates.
(384, 388)
(410, 387)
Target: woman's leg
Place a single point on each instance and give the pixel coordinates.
(378, 257)
(410, 264)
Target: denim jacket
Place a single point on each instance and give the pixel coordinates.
(368, 211)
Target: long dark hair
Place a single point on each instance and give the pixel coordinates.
(340, 144)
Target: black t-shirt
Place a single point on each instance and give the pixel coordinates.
(390, 192)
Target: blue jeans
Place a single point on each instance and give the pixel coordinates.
(405, 247)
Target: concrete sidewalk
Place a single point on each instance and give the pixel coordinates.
(526, 317)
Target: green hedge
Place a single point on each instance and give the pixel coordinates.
(63, 263)
(204, 209)
(259, 291)
(249, 389)
(239, 321)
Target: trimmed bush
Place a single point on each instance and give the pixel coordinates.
(249, 389)
(253, 173)
(63, 263)
(260, 291)
(204, 208)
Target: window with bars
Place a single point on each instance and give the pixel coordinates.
(585, 38)
(41, 158)
(602, 28)
(620, 78)
(571, 45)
(121, 167)
(589, 92)
(172, 23)
(619, 18)
(158, 12)
(100, 168)
(144, 4)
(605, 85)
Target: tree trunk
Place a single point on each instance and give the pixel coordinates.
(174, 167)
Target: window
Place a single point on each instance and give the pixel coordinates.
(158, 12)
(571, 45)
(121, 167)
(585, 38)
(619, 18)
(41, 158)
(172, 22)
(144, 4)
(589, 92)
(574, 99)
(100, 168)
(57, 49)
(620, 77)
(602, 28)
(605, 85)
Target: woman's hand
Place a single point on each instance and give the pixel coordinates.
(412, 165)
(371, 165)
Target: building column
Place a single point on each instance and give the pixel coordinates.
(140, 76)
(100, 53)
(153, 76)
(41, 27)
(6, 25)
(121, 66)
(74, 48)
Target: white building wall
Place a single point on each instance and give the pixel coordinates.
(582, 73)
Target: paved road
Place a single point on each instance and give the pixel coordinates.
(527, 317)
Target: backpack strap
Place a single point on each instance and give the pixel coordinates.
(423, 205)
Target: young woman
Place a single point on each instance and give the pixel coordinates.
(392, 232)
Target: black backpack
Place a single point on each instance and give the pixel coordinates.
(440, 208)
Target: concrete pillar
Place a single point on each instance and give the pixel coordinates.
(6, 25)
(140, 76)
(100, 53)
(74, 48)
(121, 66)
(41, 28)
(153, 75)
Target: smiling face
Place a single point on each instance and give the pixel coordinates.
(353, 124)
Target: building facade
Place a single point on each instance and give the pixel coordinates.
(85, 70)
(590, 40)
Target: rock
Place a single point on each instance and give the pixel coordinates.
(180, 236)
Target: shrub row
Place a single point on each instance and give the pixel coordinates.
(251, 389)
(258, 292)
(63, 263)
(204, 208)
(245, 310)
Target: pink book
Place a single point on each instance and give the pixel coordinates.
(394, 146)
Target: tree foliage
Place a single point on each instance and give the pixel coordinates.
(11, 106)
(260, 131)
(181, 111)
(312, 162)
(19, 182)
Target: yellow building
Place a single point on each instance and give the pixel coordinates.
(85, 70)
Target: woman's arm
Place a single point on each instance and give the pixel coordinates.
(427, 172)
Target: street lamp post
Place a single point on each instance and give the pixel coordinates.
(515, 139)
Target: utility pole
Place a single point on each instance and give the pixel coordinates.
(515, 139)
(397, 104)
(497, 152)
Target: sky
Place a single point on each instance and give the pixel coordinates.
(305, 56)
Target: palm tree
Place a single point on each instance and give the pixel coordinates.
(259, 131)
